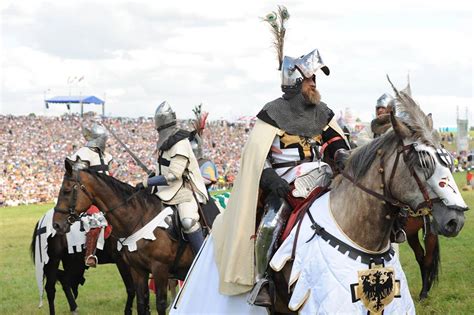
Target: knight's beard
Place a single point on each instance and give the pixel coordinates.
(312, 96)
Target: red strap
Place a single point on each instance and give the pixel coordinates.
(327, 143)
(92, 209)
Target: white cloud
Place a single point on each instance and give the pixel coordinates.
(219, 53)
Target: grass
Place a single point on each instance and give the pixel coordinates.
(104, 292)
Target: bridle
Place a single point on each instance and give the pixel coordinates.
(72, 211)
(387, 196)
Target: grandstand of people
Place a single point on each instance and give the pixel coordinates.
(33, 149)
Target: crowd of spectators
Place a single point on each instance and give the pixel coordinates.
(33, 149)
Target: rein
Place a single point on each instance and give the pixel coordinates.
(386, 196)
(72, 211)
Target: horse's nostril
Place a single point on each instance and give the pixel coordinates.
(451, 225)
(56, 226)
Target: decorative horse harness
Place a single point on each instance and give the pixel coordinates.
(398, 207)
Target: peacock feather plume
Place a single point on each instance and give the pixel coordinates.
(277, 21)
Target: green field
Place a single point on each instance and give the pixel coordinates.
(104, 293)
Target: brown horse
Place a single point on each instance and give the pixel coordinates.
(428, 258)
(127, 210)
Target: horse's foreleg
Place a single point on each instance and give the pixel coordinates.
(415, 245)
(172, 285)
(50, 272)
(65, 281)
(124, 270)
(430, 263)
(141, 288)
(160, 276)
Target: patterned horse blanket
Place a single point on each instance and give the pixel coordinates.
(328, 282)
(75, 243)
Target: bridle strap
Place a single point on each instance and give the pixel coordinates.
(387, 199)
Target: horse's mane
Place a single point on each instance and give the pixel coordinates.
(362, 158)
(125, 190)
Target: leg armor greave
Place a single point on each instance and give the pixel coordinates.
(268, 232)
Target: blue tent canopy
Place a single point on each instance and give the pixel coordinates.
(75, 99)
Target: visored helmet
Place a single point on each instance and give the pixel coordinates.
(295, 70)
(165, 117)
(96, 136)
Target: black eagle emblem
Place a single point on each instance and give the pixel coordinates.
(377, 286)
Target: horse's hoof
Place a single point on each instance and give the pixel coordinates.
(75, 312)
(423, 296)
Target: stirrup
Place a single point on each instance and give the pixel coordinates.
(399, 236)
(253, 295)
(96, 261)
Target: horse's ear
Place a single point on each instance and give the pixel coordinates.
(68, 164)
(400, 128)
(429, 121)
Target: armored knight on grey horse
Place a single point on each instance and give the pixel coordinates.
(282, 159)
(178, 180)
(93, 153)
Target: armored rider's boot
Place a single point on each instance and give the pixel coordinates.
(91, 242)
(195, 239)
(270, 227)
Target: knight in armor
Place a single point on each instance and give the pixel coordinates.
(179, 181)
(282, 160)
(381, 123)
(98, 161)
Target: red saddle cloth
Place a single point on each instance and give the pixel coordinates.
(108, 229)
(299, 205)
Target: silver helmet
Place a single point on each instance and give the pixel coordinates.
(384, 100)
(165, 117)
(165, 122)
(295, 70)
(96, 136)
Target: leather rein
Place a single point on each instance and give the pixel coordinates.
(72, 211)
(386, 196)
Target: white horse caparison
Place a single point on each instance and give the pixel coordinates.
(404, 168)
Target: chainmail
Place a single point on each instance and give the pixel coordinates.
(165, 134)
(297, 117)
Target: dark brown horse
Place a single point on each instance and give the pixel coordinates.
(428, 258)
(127, 210)
(73, 265)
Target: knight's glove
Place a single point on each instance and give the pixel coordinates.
(273, 185)
(340, 158)
(159, 180)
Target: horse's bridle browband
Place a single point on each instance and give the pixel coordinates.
(71, 210)
(386, 196)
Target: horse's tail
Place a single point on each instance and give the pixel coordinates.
(435, 266)
(33, 243)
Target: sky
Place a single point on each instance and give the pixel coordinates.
(136, 54)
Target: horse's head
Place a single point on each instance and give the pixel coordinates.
(74, 196)
(427, 179)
